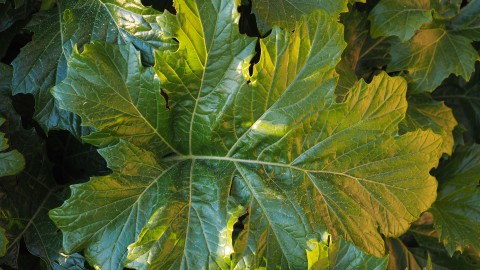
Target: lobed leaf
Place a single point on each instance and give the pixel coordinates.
(42, 62)
(399, 18)
(425, 113)
(437, 50)
(431, 56)
(456, 214)
(275, 146)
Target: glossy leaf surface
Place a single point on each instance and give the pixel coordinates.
(42, 62)
(226, 146)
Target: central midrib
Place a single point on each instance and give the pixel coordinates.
(247, 161)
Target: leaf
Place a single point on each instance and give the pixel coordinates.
(464, 99)
(467, 21)
(456, 213)
(402, 258)
(434, 52)
(431, 56)
(12, 13)
(42, 63)
(428, 247)
(348, 256)
(445, 9)
(425, 113)
(27, 196)
(343, 255)
(3, 242)
(284, 13)
(365, 55)
(280, 147)
(11, 162)
(399, 18)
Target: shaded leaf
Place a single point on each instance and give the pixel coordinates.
(428, 247)
(364, 55)
(11, 12)
(464, 99)
(3, 242)
(42, 63)
(11, 161)
(456, 213)
(343, 255)
(399, 18)
(284, 13)
(468, 21)
(27, 196)
(431, 56)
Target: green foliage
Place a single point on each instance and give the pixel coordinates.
(332, 135)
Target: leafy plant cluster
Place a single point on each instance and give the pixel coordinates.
(222, 134)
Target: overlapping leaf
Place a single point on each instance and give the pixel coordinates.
(425, 113)
(285, 13)
(437, 50)
(275, 146)
(342, 255)
(42, 63)
(27, 196)
(399, 17)
(456, 213)
(11, 161)
(464, 99)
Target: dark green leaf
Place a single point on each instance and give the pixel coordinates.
(3, 242)
(364, 55)
(431, 56)
(27, 197)
(10, 13)
(456, 213)
(42, 63)
(399, 18)
(464, 99)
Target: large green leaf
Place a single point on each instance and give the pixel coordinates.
(456, 213)
(275, 147)
(399, 17)
(42, 63)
